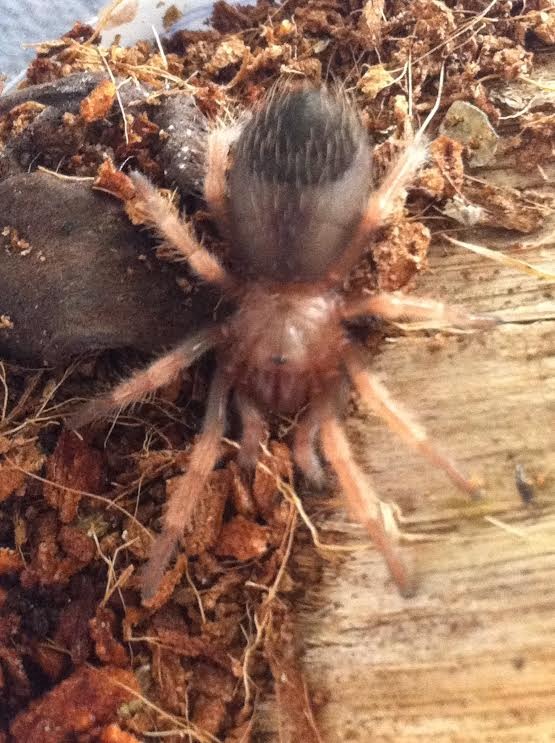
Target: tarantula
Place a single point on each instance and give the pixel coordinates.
(291, 188)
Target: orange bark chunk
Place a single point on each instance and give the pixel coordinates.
(114, 734)
(88, 698)
(99, 102)
(73, 466)
(107, 648)
(243, 539)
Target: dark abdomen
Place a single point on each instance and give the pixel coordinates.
(298, 185)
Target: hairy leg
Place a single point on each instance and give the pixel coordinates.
(162, 217)
(183, 502)
(381, 204)
(304, 446)
(378, 399)
(363, 502)
(220, 140)
(156, 375)
(254, 431)
(402, 307)
(383, 201)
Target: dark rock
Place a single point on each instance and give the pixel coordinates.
(65, 93)
(9, 164)
(183, 142)
(88, 280)
(46, 135)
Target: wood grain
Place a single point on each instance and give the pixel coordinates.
(472, 656)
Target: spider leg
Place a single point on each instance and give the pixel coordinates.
(363, 502)
(304, 446)
(182, 504)
(254, 431)
(162, 217)
(156, 375)
(219, 142)
(381, 204)
(402, 307)
(378, 399)
(382, 201)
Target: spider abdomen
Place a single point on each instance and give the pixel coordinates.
(298, 183)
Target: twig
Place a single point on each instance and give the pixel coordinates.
(118, 96)
(505, 260)
(82, 493)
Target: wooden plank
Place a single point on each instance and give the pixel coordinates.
(472, 656)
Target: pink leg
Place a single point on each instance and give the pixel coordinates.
(159, 373)
(376, 396)
(182, 504)
(162, 217)
(363, 502)
(304, 451)
(383, 202)
(402, 307)
(220, 140)
(381, 205)
(254, 432)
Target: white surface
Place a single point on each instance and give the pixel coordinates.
(31, 21)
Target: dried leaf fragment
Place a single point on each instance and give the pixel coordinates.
(371, 20)
(375, 78)
(229, 52)
(117, 13)
(171, 16)
(89, 697)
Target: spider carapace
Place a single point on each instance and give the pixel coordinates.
(291, 188)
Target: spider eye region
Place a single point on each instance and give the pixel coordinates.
(279, 360)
